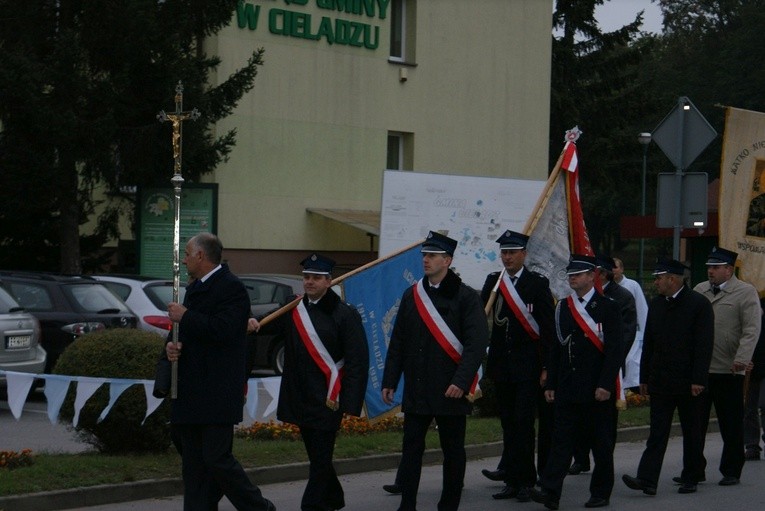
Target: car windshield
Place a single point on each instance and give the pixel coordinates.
(95, 298)
(162, 294)
(7, 302)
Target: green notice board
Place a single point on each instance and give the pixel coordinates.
(155, 217)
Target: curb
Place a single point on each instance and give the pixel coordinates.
(154, 488)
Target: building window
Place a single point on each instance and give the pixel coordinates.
(397, 43)
(402, 30)
(400, 151)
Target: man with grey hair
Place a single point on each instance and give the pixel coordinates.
(211, 356)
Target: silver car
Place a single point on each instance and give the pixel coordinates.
(147, 297)
(20, 350)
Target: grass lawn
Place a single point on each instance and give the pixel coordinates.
(61, 471)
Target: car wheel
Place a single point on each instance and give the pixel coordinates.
(277, 358)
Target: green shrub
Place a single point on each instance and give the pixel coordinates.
(116, 353)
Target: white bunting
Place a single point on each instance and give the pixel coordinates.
(18, 385)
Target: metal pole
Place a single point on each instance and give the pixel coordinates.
(177, 119)
(683, 105)
(645, 140)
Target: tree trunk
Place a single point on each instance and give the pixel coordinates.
(69, 226)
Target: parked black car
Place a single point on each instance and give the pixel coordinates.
(268, 292)
(67, 307)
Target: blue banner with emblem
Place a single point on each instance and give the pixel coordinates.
(376, 294)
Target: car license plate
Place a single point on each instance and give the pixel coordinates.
(18, 342)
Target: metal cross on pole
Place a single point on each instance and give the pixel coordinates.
(177, 119)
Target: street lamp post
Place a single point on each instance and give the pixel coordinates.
(645, 140)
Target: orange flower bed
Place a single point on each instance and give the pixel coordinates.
(635, 400)
(12, 459)
(273, 430)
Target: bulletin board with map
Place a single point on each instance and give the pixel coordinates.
(155, 212)
(473, 210)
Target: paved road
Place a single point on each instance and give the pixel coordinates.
(364, 491)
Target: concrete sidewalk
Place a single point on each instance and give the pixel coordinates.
(363, 490)
(164, 491)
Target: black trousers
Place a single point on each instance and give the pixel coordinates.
(597, 416)
(323, 491)
(517, 402)
(726, 392)
(662, 411)
(546, 420)
(451, 434)
(209, 469)
(584, 445)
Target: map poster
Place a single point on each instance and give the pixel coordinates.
(473, 210)
(155, 218)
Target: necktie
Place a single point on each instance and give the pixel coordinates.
(581, 300)
(513, 279)
(715, 290)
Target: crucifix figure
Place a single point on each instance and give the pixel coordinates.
(177, 118)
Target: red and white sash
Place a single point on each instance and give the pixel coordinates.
(333, 371)
(593, 330)
(519, 308)
(442, 333)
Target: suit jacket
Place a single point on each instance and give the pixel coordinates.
(737, 323)
(427, 368)
(211, 369)
(626, 303)
(577, 367)
(677, 345)
(303, 394)
(513, 354)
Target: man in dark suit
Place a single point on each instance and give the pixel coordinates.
(438, 342)
(212, 324)
(582, 375)
(674, 370)
(626, 303)
(326, 363)
(522, 332)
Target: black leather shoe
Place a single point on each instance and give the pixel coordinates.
(687, 488)
(729, 481)
(523, 495)
(635, 483)
(549, 500)
(392, 488)
(494, 475)
(508, 492)
(596, 502)
(578, 468)
(679, 480)
(271, 506)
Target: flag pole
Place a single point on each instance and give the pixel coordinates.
(338, 280)
(544, 196)
(493, 295)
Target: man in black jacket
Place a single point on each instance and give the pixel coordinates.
(212, 325)
(626, 303)
(439, 339)
(326, 363)
(522, 332)
(674, 370)
(582, 376)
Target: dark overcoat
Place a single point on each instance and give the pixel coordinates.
(577, 367)
(513, 354)
(303, 393)
(211, 369)
(677, 345)
(427, 368)
(626, 303)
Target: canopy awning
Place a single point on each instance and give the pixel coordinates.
(365, 220)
